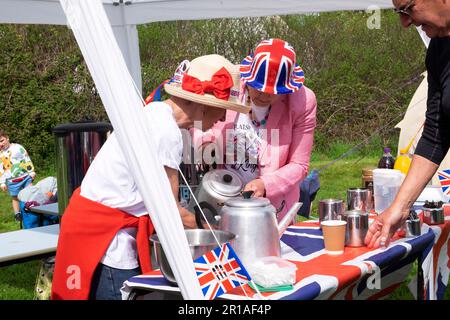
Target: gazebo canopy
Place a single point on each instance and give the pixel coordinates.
(132, 12)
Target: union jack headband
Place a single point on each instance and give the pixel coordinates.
(272, 68)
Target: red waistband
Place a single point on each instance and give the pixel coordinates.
(20, 179)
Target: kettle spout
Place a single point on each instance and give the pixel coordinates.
(287, 219)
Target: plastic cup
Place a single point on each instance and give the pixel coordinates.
(334, 236)
(386, 184)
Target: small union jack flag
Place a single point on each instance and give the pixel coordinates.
(444, 180)
(272, 68)
(219, 271)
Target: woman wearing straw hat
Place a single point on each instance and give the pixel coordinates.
(270, 147)
(105, 229)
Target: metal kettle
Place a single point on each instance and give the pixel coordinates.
(254, 222)
(216, 187)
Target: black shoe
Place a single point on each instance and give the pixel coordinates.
(18, 216)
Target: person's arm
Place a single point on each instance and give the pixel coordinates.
(282, 180)
(29, 164)
(431, 150)
(187, 217)
(385, 225)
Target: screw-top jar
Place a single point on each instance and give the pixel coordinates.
(367, 183)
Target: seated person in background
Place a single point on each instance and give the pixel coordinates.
(270, 147)
(16, 170)
(42, 193)
(105, 229)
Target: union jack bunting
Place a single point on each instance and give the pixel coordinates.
(272, 68)
(444, 180)
(219, 271)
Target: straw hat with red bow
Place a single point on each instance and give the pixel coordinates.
(210, 80)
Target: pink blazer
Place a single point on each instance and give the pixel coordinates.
(285, 153)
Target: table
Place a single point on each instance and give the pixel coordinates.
(353, 275)
(42, 215)
(28, 244)
(436, 260)
(51, 209)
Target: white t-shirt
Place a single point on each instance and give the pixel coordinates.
(245, 143)
(109, 181)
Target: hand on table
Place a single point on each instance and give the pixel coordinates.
(257, 186)
(383, 228)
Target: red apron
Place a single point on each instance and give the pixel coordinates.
(87, 229)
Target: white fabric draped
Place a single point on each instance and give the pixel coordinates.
(124, 106)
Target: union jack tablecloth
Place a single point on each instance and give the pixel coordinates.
(436, 263)
(352, 275)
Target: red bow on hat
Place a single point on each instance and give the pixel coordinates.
(220, 84)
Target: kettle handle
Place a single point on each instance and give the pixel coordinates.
(247, 194)
(198, 214)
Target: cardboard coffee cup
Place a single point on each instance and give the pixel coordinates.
(334, 236)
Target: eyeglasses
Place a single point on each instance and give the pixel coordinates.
(406, 10)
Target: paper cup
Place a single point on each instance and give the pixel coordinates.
(334, 236)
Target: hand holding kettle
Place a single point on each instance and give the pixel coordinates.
(257, 186)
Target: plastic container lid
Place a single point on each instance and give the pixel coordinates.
(272, 271)
(387, 150)
(386, 172)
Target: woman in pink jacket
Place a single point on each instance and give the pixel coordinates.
(270, 147)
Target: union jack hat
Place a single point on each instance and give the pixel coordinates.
(272, 68)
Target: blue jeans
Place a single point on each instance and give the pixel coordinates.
(15, 187)
(34, 220)
(107, 281)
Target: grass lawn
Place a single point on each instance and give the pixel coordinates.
(17, 281)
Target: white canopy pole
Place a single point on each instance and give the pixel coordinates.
(123, 104)
(128, 39)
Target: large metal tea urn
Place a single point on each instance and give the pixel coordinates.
(76, 146)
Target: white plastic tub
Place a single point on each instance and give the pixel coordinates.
(386, 183)
(272, 271)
